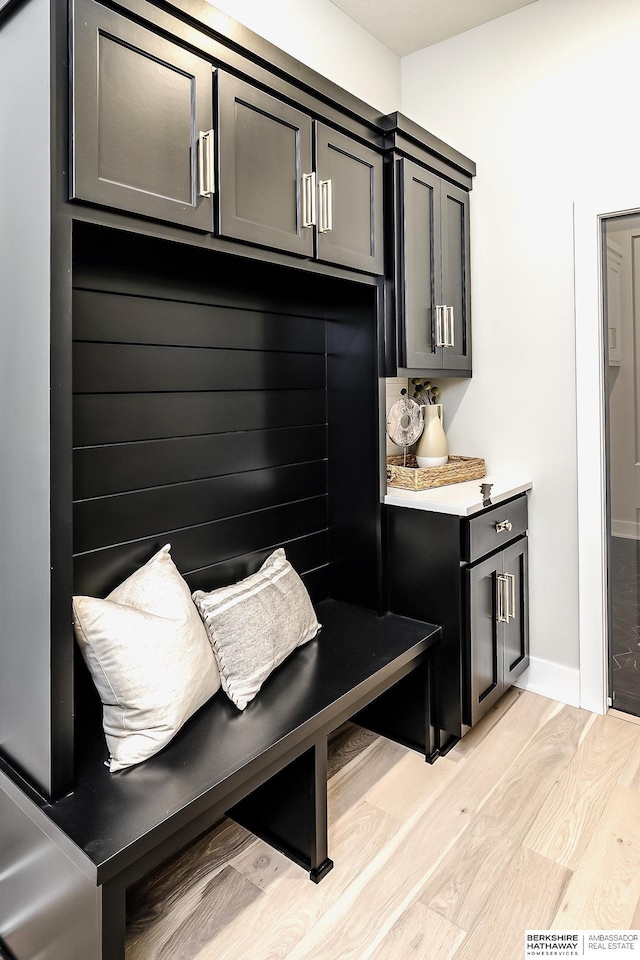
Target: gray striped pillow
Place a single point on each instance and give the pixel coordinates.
(254, 625)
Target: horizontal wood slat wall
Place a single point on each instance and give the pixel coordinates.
(108, 520)
(194, 548)
(117, 468)
(152, 320)
(126, 368)
(121, 417)
(307, 553)
(199, 424)
(224, 406)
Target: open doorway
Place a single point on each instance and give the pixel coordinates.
(621, 343)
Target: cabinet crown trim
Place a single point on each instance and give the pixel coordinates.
(396, 124)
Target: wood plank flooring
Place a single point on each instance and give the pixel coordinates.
(532, 821)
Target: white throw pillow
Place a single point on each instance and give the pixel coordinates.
(255, 624)
(149, 656)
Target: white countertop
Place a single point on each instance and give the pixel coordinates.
(460, 499)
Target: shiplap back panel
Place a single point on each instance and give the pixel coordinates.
(198, 423)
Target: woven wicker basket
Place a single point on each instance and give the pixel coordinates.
(413, 477)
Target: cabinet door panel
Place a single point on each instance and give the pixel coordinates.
(421, 267)
(354, 173)
(455, 276)
(139, 103)
(264, 149)
(485, 652)
(516, 632)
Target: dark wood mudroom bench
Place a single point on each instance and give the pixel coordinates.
(266, 768)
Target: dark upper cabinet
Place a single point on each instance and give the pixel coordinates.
(264, 169)
(265, 172)
(142, 119)
(418, 289)
(349, 207)
(497, 591)
(433, 303)
(456, 287)
(274, 195)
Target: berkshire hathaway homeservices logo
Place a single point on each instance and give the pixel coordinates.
(580, 943)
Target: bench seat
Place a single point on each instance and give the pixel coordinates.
(265, 767)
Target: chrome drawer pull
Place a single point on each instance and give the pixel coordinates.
(504, 525)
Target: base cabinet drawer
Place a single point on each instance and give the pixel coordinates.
(495, 528)
(498, 627)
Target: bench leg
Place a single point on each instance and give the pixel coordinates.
(321, 830)
(289, 811)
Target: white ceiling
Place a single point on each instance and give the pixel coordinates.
(405, 26)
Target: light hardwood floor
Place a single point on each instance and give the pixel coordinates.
(532, 821)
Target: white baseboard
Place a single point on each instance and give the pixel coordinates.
(626, 529)
(552, 680)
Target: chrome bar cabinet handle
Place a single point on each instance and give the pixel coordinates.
(511, 615)
(440, 311)
(325, 220)
(503, 611)
(308, 199)
(449, 328)
(206, 161)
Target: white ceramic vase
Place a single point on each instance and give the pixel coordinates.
(432, 449)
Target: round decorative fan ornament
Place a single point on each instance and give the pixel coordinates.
(405, 422)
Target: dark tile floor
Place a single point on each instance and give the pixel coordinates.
(624, 567)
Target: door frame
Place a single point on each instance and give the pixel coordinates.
(589, 212)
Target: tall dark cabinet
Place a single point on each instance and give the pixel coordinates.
(196, 310)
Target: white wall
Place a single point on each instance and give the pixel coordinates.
(543, 100)
(320, 35)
